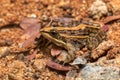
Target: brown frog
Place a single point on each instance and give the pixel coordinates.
(71, 38)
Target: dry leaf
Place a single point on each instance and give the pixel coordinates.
(28, 22)
(104, 28)
(111, 18)
(31, 28)
(55, 50)
(57, 66)
(32, 56)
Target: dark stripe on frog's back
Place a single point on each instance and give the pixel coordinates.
(83, 32)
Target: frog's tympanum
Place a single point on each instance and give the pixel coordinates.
(74, 38)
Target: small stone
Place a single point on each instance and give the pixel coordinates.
(84, 49)
(63, 56)
(2, 20)
(4, 51)
(32, 15)
(79, 60)
(44, 17)
(71, 75)
(98, 9)
(97, 72)
(40, 64)
(37, 75)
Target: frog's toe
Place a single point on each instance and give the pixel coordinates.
(65, 57)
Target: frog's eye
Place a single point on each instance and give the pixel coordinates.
(53, 31)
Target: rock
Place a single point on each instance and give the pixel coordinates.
(98, 9)
(32, 15)
(71, 75)
(96, 72)
(4, 51)
(40, 64)
(102, 48)
(16, 70)
(79, 60)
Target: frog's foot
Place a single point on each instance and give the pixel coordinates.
(65, 56)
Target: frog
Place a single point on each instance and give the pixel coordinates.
(70, 38)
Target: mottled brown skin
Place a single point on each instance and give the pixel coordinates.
(69, 37)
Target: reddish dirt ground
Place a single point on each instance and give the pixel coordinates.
(13, 62)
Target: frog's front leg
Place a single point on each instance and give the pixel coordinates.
(68, 54)
(67, 46)
(71, 51)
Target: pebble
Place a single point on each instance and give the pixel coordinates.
(4, 51)
(98, 9)
(32, 15)
(97, 72)
(79, 60)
